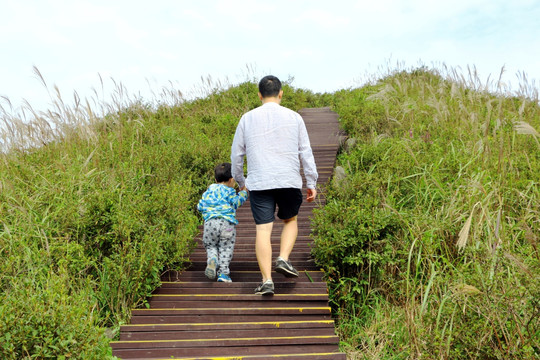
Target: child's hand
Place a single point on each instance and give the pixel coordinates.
(243, 188)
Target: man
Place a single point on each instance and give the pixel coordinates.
(274, 140)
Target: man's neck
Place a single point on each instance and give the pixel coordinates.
(273, 99)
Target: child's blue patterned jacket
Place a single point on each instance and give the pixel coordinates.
(221, 201)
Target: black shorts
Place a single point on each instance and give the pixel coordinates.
(263, 204)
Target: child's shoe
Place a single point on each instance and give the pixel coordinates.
(224, 278)
(210, 270)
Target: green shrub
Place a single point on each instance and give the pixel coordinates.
(39, 319)
(90, 220)
(434, 221)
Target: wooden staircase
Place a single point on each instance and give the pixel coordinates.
(191, 317)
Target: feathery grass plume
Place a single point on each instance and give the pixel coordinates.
(39, 76)
(501, 86)
(464, 233)
(526, 89)
(519, 263)
(523, 127)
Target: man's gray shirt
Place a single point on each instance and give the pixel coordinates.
(274, 139)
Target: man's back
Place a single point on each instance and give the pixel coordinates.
(272, 137)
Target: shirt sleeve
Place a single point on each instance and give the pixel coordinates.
(201, 204)
(238, 152)
(236, 200)
(306, 156)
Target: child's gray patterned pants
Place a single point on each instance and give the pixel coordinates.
(219, 237)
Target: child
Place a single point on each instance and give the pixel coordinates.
(218, 206)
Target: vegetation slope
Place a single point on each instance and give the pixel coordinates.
(429, 237)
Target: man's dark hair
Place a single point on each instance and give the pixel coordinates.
(269, 86)
(222, 172)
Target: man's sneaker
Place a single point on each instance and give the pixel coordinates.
(265, 288)
(284, 267)
(224, 278)
(210, 271)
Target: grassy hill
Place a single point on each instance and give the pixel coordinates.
(429, 238)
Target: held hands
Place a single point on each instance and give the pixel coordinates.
(311, 195)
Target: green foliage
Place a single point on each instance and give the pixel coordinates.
(435, 225)
(430, 243)
(39, 320)
(297, 99)
(88, 222)
(353, 104)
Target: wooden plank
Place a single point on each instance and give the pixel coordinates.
(231, 333)
(242, 276)
(230, 325)
(300, 295)
(227, 342)
(227, 304)
(307, 310)
(238, 287)
(220, 318)
(306, 356)
(220, 289)
(240, 352)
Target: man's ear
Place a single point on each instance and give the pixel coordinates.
(280, 95)
(260, 96)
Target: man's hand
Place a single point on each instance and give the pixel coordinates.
(311, 195)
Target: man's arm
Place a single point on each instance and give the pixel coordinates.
(238, 151)
(308, 161)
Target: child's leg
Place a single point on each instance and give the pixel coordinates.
(211, 238)
(226, 247)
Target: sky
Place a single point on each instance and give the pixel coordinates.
(322, 46)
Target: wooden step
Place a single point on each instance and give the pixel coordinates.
(202, 316)
(290, 287)
(247, 350)
(305, 356)
(298, 324)
(231, 333)
(225, 341)
(242, 276)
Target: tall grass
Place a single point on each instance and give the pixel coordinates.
(430, 243)
(97, 200)
(435, 227)
(86, 225)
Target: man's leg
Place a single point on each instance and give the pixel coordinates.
(263, 249)
(288, 237)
